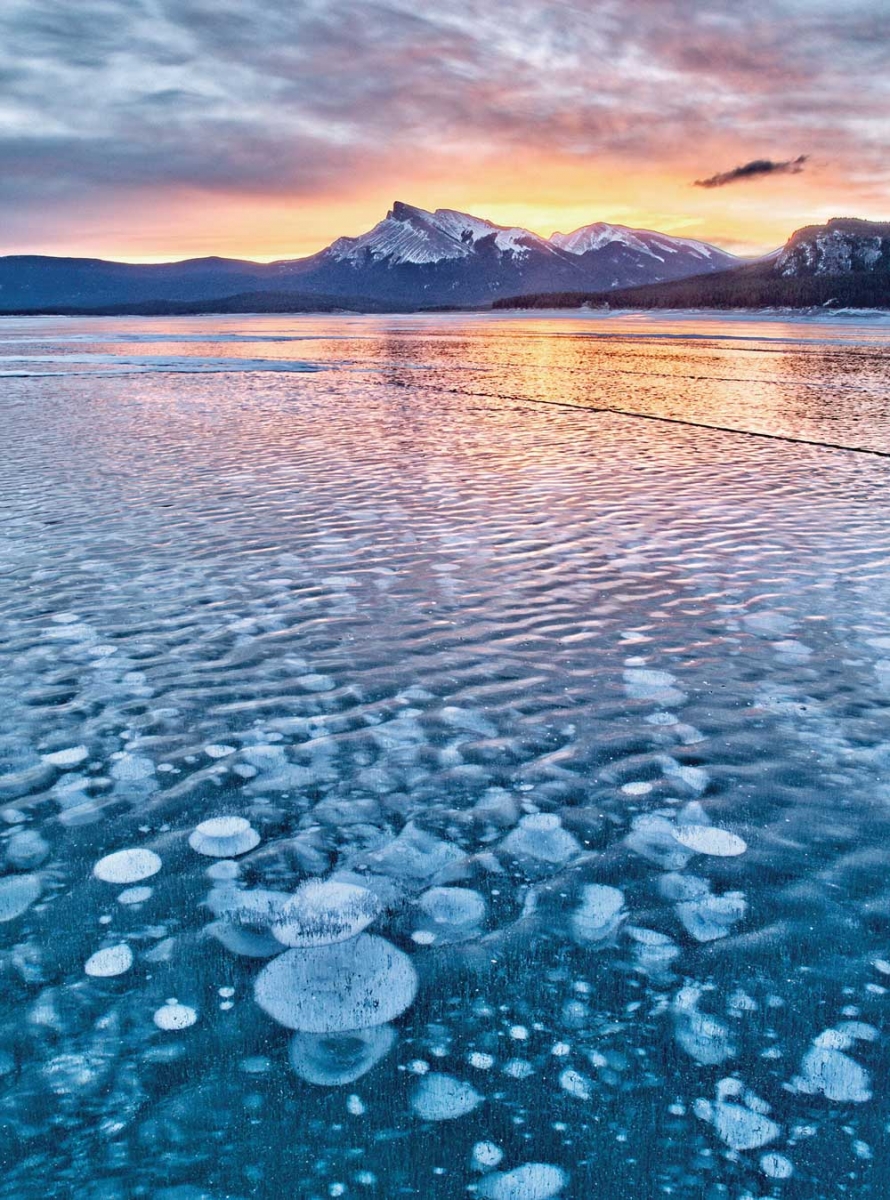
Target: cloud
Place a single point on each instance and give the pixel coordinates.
(309, 99)
(758, 168)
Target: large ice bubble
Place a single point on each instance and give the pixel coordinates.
(224, 837)
(127, 866)
(540, 837)
(439, 1097)
(17, 894)
(449, 914)
(335, 1059)
(707, 839)
(323, 911)
(599, 915)
(338, 987)
(531, 1181)
(244, 918)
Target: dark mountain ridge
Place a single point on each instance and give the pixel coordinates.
(410, 259)
(842, 264)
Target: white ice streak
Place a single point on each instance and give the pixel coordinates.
(339, 987)
(69, 757)
(127, 866)
(439, 1097)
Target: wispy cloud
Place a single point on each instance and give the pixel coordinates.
(758, 168)
(106, 100)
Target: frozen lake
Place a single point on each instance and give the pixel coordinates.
(504, 773)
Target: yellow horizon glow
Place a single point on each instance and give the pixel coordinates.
(558, 195)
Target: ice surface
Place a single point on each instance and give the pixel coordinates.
(324, 911)
(392, 616)
(338, 987)
(531, 1181)
(439, 1097)
(127, 866)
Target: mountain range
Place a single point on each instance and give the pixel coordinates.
(842, 264)
(411, 259)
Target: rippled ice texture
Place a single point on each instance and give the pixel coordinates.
(364, 583)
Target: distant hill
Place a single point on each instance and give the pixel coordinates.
(843, 264)
(412, 259)
(243, 302)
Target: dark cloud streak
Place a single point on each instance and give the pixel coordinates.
(758, 168)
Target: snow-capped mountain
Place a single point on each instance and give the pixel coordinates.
(410, 259)
(843, 246)
(447, 257)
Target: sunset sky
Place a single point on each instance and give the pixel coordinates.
(150, 129)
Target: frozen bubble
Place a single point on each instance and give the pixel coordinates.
(531, 1181)
(438, 1097)
(322, 911)
(224, 869)
(17, 894)
(450, 914)
(576, 1084)
(707, 839)
(833, 1074)
(652, 837)
(26, 849)
(653, 952)
(216, 751)
(712, 917)
(224, 837)
(599, 914)
(67, 758)
(335, 988)
(768, 623)
(335, 1059)
(637, 787)
(486, 1155)
(541, 837)
(415, 855)
(776, 1166)
(127, 866)
(704, 1038)
(113, 960)
(643, 683)
(741, 1126)
(244, 919)
(132, 768)
(251, 908)
(173, 1016)
(135, 895)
